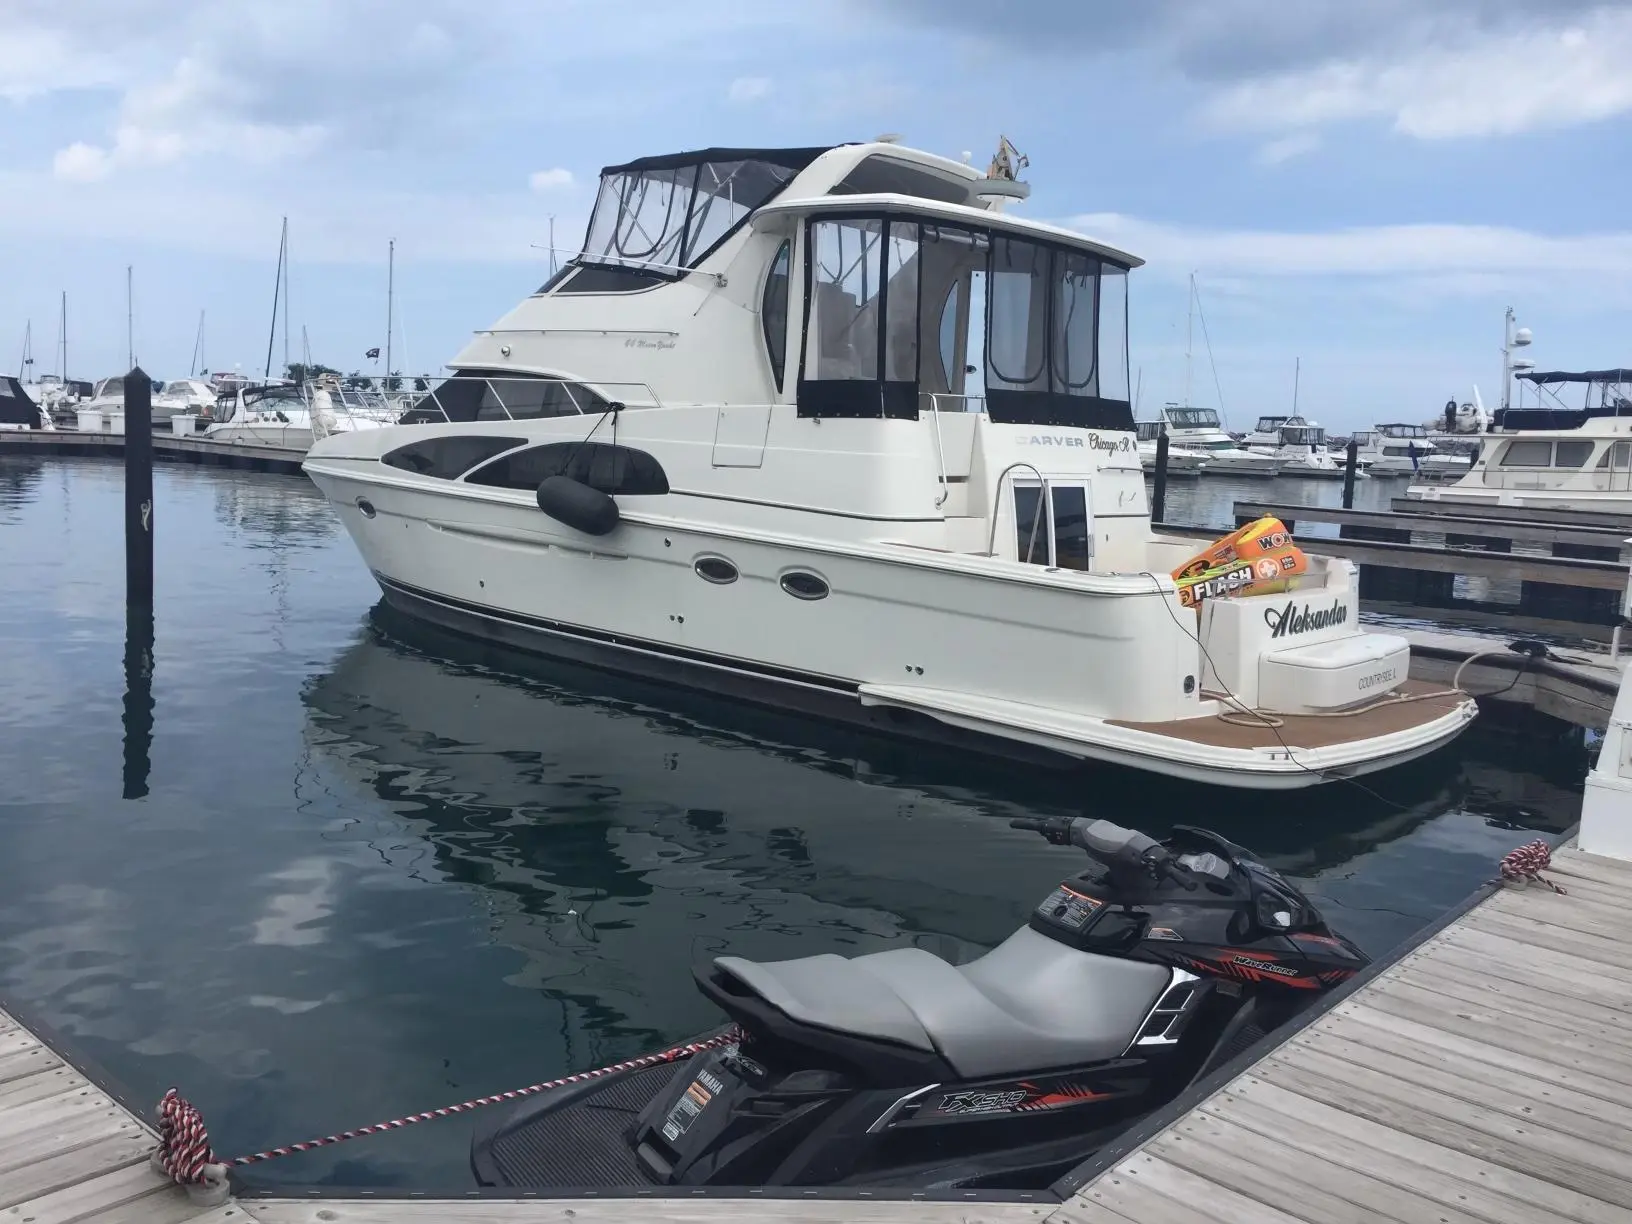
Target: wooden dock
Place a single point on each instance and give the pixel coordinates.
(165, 446)
(1485, 1078)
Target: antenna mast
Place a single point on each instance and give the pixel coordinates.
(62, 337)
(28, 352)
(198, 347)
(1297, 372)
(390, 302)
(130, 317)
(277, 291)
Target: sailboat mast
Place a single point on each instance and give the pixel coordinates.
(277, 291)
(1189, 332)
(28, 353)
(390, 302)
(62, 333)
(198, 347)
(286, 296)
(130, 317)
(1297, 372)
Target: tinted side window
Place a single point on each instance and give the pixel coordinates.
(773, 312)
(618, 470)
(474, 396)
(446, 458)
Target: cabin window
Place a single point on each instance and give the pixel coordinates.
(1063, 536)
(846, 279)
(1113, 337)
(1527, 453)
(1185, 418)
(617, 470)
(881, 174)
(1017, 335)
(507, 397)
(773, 312)
(1571, 454)
(1619, 455)
(953, 274)
(448, 457)
(901, 265)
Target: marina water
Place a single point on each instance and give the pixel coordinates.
(372, 868)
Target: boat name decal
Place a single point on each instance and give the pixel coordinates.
(1120, 445)
(1264, 966)
(647, 342)
(1378, 678)
(1050, 440)
(1292, 619)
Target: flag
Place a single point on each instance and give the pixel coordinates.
(373, 354)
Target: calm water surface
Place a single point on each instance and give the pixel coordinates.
(376, 869)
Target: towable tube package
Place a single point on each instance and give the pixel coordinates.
(1257, 559)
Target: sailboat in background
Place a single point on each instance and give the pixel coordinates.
(1199, 429)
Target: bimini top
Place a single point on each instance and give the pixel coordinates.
(954, 214)
(791, 159)
(1585, 376)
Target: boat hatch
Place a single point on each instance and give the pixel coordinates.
(907, 313)
(1062, 537)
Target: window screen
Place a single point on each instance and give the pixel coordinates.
(901, 303)
(613, 469)
(845, 270)
(1572, 454)
(446, 458)
(1521, 453)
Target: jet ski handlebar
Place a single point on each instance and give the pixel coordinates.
(1110, 844)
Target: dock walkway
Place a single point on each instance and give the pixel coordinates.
(1484, 1078)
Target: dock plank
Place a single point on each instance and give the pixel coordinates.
(656, 1209)
(132, 1182)
(1486, 1076)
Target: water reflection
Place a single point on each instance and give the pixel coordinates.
(138, 708)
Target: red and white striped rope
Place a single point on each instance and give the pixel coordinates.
(1527, 863)
(184, 1143)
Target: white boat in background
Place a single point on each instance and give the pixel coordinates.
(184, 397)
(1301, 450)
(1199, 429)
(1180, 460)
(675, 459)
(1568, 459)
(1265, 435)
(1397, 449)
(288, 416)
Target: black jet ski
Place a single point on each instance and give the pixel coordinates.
(899, 1069)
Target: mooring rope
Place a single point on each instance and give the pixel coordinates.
(184, 1142)
(1527, 863)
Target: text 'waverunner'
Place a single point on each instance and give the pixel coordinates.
(899, 1069)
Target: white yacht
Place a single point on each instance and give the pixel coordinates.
(1405, 450)
(829, 429)
(1568, 459)
(1266, 434)
(1198, 429)
(1300, 449)
(184, 397)
(288, 416)
(1181, 461)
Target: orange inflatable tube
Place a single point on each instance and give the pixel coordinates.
(1258, 558)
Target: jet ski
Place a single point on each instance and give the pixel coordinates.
(899, 1069)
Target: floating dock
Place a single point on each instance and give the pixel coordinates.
(1483, 1077)
(165, 446)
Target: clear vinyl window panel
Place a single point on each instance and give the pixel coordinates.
(773, 312)
(845, 281)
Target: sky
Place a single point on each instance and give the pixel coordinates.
(1359, 189)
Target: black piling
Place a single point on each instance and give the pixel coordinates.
(138, 488)
(1158, 491)
(1351, 465)
(138, 709)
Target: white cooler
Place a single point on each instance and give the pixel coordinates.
(184, 424)
(1331, 675)
(88, 420)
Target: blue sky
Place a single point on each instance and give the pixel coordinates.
(1362, 186)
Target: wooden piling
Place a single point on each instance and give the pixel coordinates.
(1158, 491)
(138, 488)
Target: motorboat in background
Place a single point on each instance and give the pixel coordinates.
(1300, 449)
(18, 410)
(1265, 434)
(1199, 429)
(290, 416)
(720, 447)
(1565, 458)
(1398, 449)
(1181, 461)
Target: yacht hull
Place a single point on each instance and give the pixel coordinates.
(964, 721)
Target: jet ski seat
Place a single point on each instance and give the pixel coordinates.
(1030, 1004)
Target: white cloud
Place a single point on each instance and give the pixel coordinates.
(1473, 261)
(1288, 147)
(81, 163)
(749, 89)
(550, 180)
(1478, 83)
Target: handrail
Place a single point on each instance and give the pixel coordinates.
(1046, 499)
(940, 451)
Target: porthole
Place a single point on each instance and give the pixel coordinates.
(366, 506)
(717, 570)
(804, 585)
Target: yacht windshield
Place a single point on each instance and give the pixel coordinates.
(667, 213)
(1303, 435)
(1191, 418)
(1269, 424)
(1402, 431)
